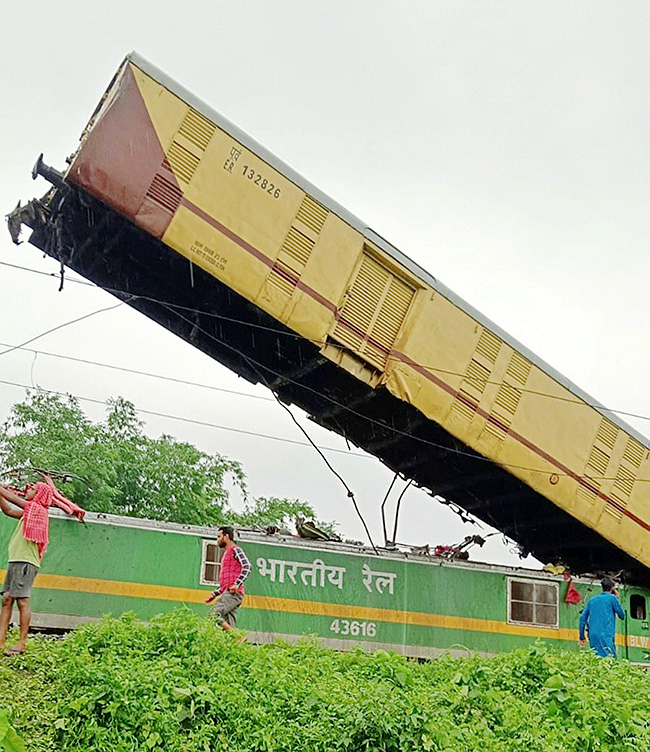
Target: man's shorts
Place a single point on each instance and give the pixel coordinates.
(225, 609)
(19, 578)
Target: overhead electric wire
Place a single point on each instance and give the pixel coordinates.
(459, 452)
(189, 420)
(317, 342)
(442, 447)
(61, 326)
(134, 371)
(323, 457)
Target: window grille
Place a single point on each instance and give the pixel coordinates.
(532, 602)
(210, 562)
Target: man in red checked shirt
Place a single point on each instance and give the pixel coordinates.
(234, 569)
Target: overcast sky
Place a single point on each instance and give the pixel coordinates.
(503, 146)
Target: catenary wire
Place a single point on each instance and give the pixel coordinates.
(347, 452)
(367, 419)
(460, 452)
(349, 491)
(62, 326)
(292, 335)
(193, 421)
(441, 447)
(228, 391)
(309, 443)
(134, 371)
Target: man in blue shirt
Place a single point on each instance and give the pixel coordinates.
(599, 617)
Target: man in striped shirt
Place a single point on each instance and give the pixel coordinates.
(234, 569)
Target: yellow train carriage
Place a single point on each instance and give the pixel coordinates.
(386, 355)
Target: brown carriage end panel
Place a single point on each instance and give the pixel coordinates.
(122, 161)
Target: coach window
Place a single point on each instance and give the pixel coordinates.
(532, 602)
(210, 563)
(637, 607)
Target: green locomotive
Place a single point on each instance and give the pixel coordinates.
(415, 604)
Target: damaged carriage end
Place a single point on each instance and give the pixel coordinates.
(35, 213)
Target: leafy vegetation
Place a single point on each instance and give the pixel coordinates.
(28, 696)
(180, 683)
(9, 739)
(120, 470)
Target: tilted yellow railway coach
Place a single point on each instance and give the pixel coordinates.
(175, 210)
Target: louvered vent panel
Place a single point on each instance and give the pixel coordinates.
(297, 247)
(373, 313)
(197, 129)
(607, 433)
(598, 460)
(363, 299)
(518, 368)
(280, 279)
(496, 429)
(163, 190)
(503, 411)
(613, 511)
(395, 305)
(601, 451)
(477, 373)
(626, 477)
(634, 453)
(508, 399)
(189, 145)
(164, 193)
(465, 404)
(587, 494)
(312, 214)
(183, 161)
(624, 482)
(488, 346)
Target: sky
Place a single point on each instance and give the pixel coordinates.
(503, 146)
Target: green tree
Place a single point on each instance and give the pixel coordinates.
(118, 469)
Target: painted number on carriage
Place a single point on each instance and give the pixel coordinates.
(266, 185)
(354, 628)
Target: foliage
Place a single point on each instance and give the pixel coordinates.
(120, 470)
(28, 695)
(179, 683)
(9, 739)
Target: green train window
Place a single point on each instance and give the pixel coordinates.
(210, 563)
(637, 607)
(533, 602)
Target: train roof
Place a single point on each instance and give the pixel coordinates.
(258, 535)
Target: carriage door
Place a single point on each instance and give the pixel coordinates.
(637, 630)
(373, 310)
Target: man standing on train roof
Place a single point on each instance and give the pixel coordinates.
(26, 548)
(599, 617)
(233, 571)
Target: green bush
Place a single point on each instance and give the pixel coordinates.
(180, 683)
